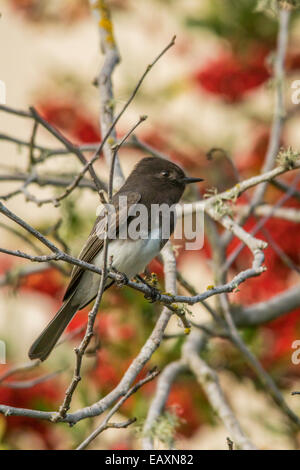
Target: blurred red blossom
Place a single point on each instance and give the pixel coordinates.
(293, 60)
(183, 404)
(231, 76)
(70, 118)
(48, 282)
(38, 11)
(156, 267)
(284, 331)
(107, 373)
(108, 326)
(273, 281)
(6, 263)
(276, 278)
(80, 319)
(120, 446)
(45, 395)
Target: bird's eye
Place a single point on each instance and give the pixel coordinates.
(165, 174)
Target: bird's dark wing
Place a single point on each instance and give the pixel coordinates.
(95, 241)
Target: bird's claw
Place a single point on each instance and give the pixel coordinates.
(122, 279)
(153, 295)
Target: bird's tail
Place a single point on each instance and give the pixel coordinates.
(43, 345)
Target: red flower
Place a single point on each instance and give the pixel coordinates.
(47, 282)
(6, 262)
(47, 394)
(293, 61)
(275, 279)
(126, 332)
(38, 11)
(180, 401)
(231, 78)
(68, 117)
(78, 320)
(107, 373)
(156, 267)
(107, 326)
(120, 446)
(284, 331)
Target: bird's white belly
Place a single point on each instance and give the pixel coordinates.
(128, 256)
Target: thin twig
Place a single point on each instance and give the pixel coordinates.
(105, 424)
(24, 384)
(106, 96)
(264, 377)
(208, 379)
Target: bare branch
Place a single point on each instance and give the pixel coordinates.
(20, 368)
(266, 210)
(115, 148)
(111, 60)
(105, 424)
(164, 384)
(130, 99)
(64, 408)
(23, 384)
(278, 115)
(286, 187)
(260, 224)
(49, 180)
(17, 112)
(264, 377)
(80, 351)
(255, 245)
(170, 286)
(208, 379)
(68, 144)
(279, 111)
(263, 312)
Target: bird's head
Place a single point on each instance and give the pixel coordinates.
(162, 173)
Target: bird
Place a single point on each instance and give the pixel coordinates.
(153, 181)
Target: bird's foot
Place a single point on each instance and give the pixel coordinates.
(121, 279)
(153, 295)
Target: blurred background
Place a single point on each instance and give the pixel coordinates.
(213, 89)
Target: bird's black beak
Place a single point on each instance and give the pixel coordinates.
(188, 180)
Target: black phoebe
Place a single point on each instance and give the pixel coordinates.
(153, 181)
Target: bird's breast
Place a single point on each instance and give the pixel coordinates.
(131, 256)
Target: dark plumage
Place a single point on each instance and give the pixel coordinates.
(153, 181)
